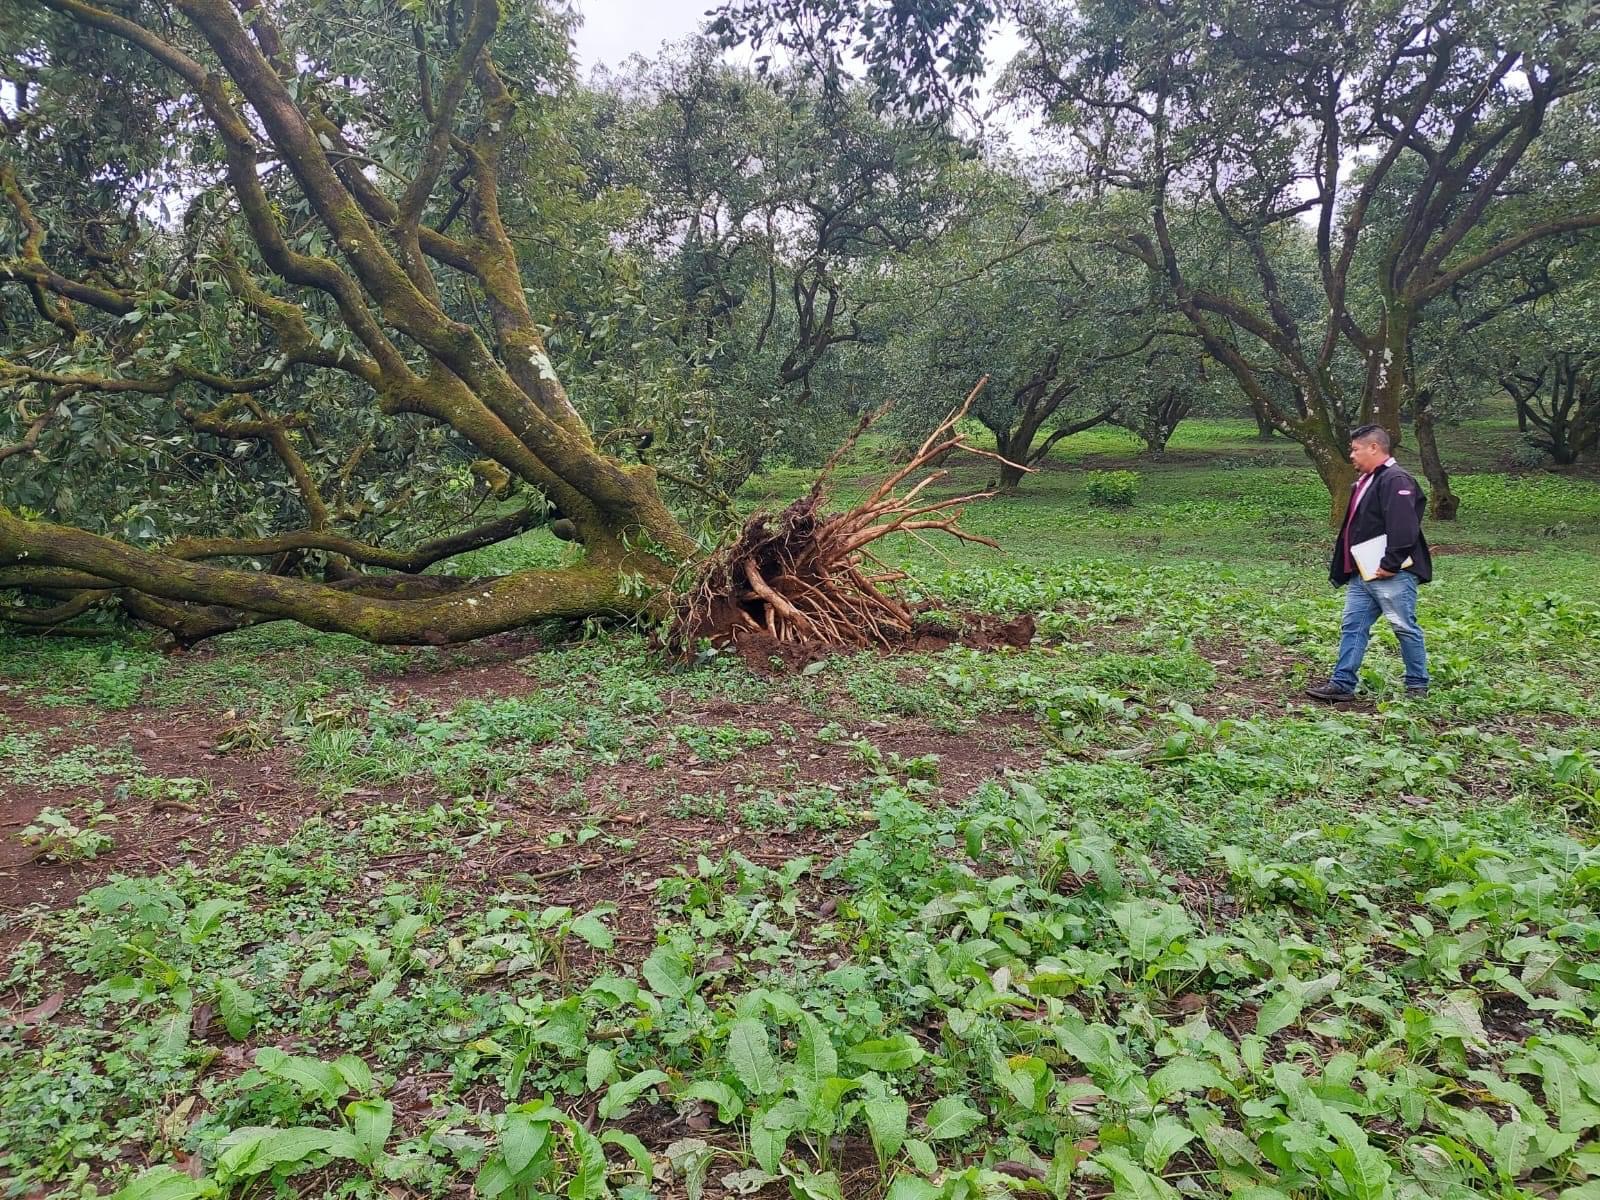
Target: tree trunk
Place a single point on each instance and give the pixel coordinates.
(1444, 502)
(1337, 474)
(487, 606)
(1011, 474)
(1389, 371)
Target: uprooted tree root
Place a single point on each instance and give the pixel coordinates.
(806, 579)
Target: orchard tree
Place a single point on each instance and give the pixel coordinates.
(1533, 330)
(1167, 382)
(767, 218)
(231, 225)
(1270, 116)
(1058, 330)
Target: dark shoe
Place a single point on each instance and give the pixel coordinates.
(1417, 693)
(1329, 693)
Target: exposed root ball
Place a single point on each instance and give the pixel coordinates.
(805, 576)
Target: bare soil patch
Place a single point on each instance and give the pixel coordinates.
(258, 797)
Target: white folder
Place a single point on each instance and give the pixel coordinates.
(1369, 554)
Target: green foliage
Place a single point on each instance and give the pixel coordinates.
(1201, 940)
(54, 837)
(1112, 489)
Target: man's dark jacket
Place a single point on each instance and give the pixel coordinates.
(1393, 504)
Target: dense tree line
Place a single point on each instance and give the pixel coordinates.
(299, 301)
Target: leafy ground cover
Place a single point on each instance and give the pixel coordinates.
(1116, 914)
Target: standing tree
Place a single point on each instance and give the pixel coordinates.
(1057, 330)
(1271, 116)
(1168, 380)
(339, 179)
(1536, 334)
(765, 215)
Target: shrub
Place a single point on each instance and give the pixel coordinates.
(1113, 489)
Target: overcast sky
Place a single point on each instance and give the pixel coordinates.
(614, 29)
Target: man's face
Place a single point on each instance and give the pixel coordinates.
(1367, 456)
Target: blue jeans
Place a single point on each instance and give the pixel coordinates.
(1396, 599)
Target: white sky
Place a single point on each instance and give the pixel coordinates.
(612, 30)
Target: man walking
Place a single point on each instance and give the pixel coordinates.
(1385, 501)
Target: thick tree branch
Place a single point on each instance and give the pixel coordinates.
(471, 612)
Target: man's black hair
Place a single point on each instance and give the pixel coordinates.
(1372, 433)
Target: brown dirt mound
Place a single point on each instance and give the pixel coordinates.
(805, 578)
(766, 654)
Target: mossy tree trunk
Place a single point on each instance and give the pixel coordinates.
(393, 245)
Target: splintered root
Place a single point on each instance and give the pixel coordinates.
(805, 576)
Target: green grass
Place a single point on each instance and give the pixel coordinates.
(1205, 940)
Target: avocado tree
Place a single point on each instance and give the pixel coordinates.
(767, 218)
(1275, 119)
(1058, 329)
(235, 227)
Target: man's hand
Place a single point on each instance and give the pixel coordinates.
(1380, 573)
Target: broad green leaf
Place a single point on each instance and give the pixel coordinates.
(886, 1118)
(588, 1181)
(1363, 1168)
(254, 1150)
(729, 1106)
(1150, 926)
(238, 1008)
(643, 1162)
(522, 1140)
(494, 1177)
(809, 1185)
(317, 1079)
(356, 1074)
(599, 1066)
(667, 974)
(921, 1155)
(951, 1117)
(1133, 1182)
(784, 1006)
(162, 1183)
(1168, 1136)
(620, 1095)
(173, 1036)
(207, 915)
(1185, 1075)
(592, 929)
(767, 1145)
(748, 1181)
(1511, 1149)
(887, 1054)
(823, 1104)
(1563, 1091)
(1281, 1009)
(1063, 1162)
(1025, 1078)
(815, 1057)
(371, 1121)
(1092, 1045)
(751, 1057)
(564, 1028)
(910, 1187)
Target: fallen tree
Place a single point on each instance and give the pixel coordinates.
(341, 247)
(806, 575)
(340, 303)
